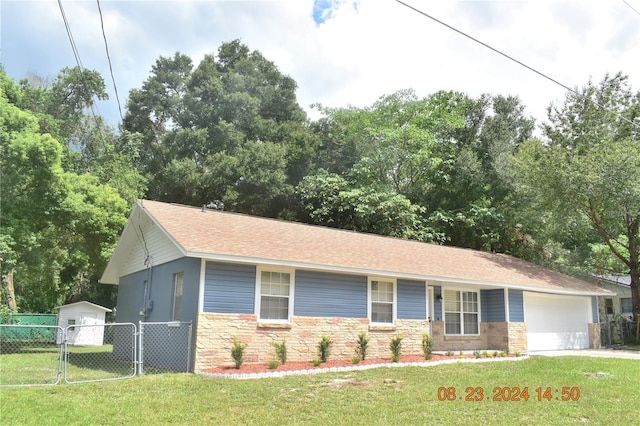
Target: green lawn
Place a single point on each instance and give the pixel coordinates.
(38, 364)
(609, 394)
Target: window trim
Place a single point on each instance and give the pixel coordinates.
(258, 295)
(462, 312)
(177, 303)
(609, 306)
(394, 307)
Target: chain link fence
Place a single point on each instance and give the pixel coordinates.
(37, 355)
(30, 355)
(617, 332)
(155, 358)
(89, 354)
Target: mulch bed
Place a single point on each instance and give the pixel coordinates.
(256, 368)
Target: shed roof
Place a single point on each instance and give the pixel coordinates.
(218, 235)
(87, 304)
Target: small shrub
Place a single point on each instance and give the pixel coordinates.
(281, 351)
(396, 347)
(324, 348)
(427, 345)
(504, 354)
(237, 352)
(355, 360)
(362, 345)
(273, 364)
(495, 354)
(487, 354)
(316, 362)
(476, 354)
(449, 353)
(518, 354)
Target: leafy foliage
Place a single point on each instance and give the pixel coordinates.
(281, 351)
(396, 347)
(588, 173)
(237, 352)
(362, 345)
(59, 227)
(324, 348)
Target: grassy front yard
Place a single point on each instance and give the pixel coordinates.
(608, 394)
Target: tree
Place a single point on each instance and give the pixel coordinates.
(381, 164)
(227, 132)
(474, 201)
(58, 227)
(590, 167)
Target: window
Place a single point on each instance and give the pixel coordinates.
(461, 312)
(608, 306)
(275, 292)
(177, 295)
(70, 323)
(382, 295)
(626, 305)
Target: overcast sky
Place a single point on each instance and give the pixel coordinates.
(340, 52)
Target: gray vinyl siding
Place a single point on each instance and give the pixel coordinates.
(229, 288)
(160, 287)
(492, 305)
(437, 304)
(130, 295)
(594, 310)
(412, 300)
(516, 306)
(320, 294)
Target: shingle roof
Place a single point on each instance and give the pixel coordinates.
(214, 234)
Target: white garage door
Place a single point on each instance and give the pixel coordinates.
(556, 322)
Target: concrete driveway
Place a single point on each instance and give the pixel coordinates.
(601, 353)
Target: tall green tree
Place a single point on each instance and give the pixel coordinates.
(381, 164)
(58, 227)
(589, 167)
(227, 132)
(474, 201)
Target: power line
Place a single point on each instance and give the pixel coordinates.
(73, 43)
(631, 7)
(106, 48)
(76, 54)
(509, 57)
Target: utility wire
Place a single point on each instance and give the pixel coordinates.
(632, 8)
(73, 43)
(76, 54)
(106, 48)
(509, 57)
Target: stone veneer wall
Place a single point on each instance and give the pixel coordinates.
(215, 333)
(493, 336)
(594, 336)
(518, 337)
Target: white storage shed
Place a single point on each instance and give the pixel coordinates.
(83, 322)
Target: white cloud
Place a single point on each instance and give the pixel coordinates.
(364, 50)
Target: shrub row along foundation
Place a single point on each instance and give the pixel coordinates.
(216, 334)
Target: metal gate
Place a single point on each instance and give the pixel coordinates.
(38, 355)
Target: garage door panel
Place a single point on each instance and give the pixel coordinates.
(556, 322)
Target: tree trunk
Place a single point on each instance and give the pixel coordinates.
(9, 291)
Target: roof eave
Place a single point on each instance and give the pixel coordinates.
(395, 274)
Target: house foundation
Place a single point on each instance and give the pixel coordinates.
(215, 334)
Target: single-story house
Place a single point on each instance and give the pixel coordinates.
(264, 280)
(85, 314)
(619, 304)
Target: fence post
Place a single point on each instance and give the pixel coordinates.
(189, 347)
(140, 360)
